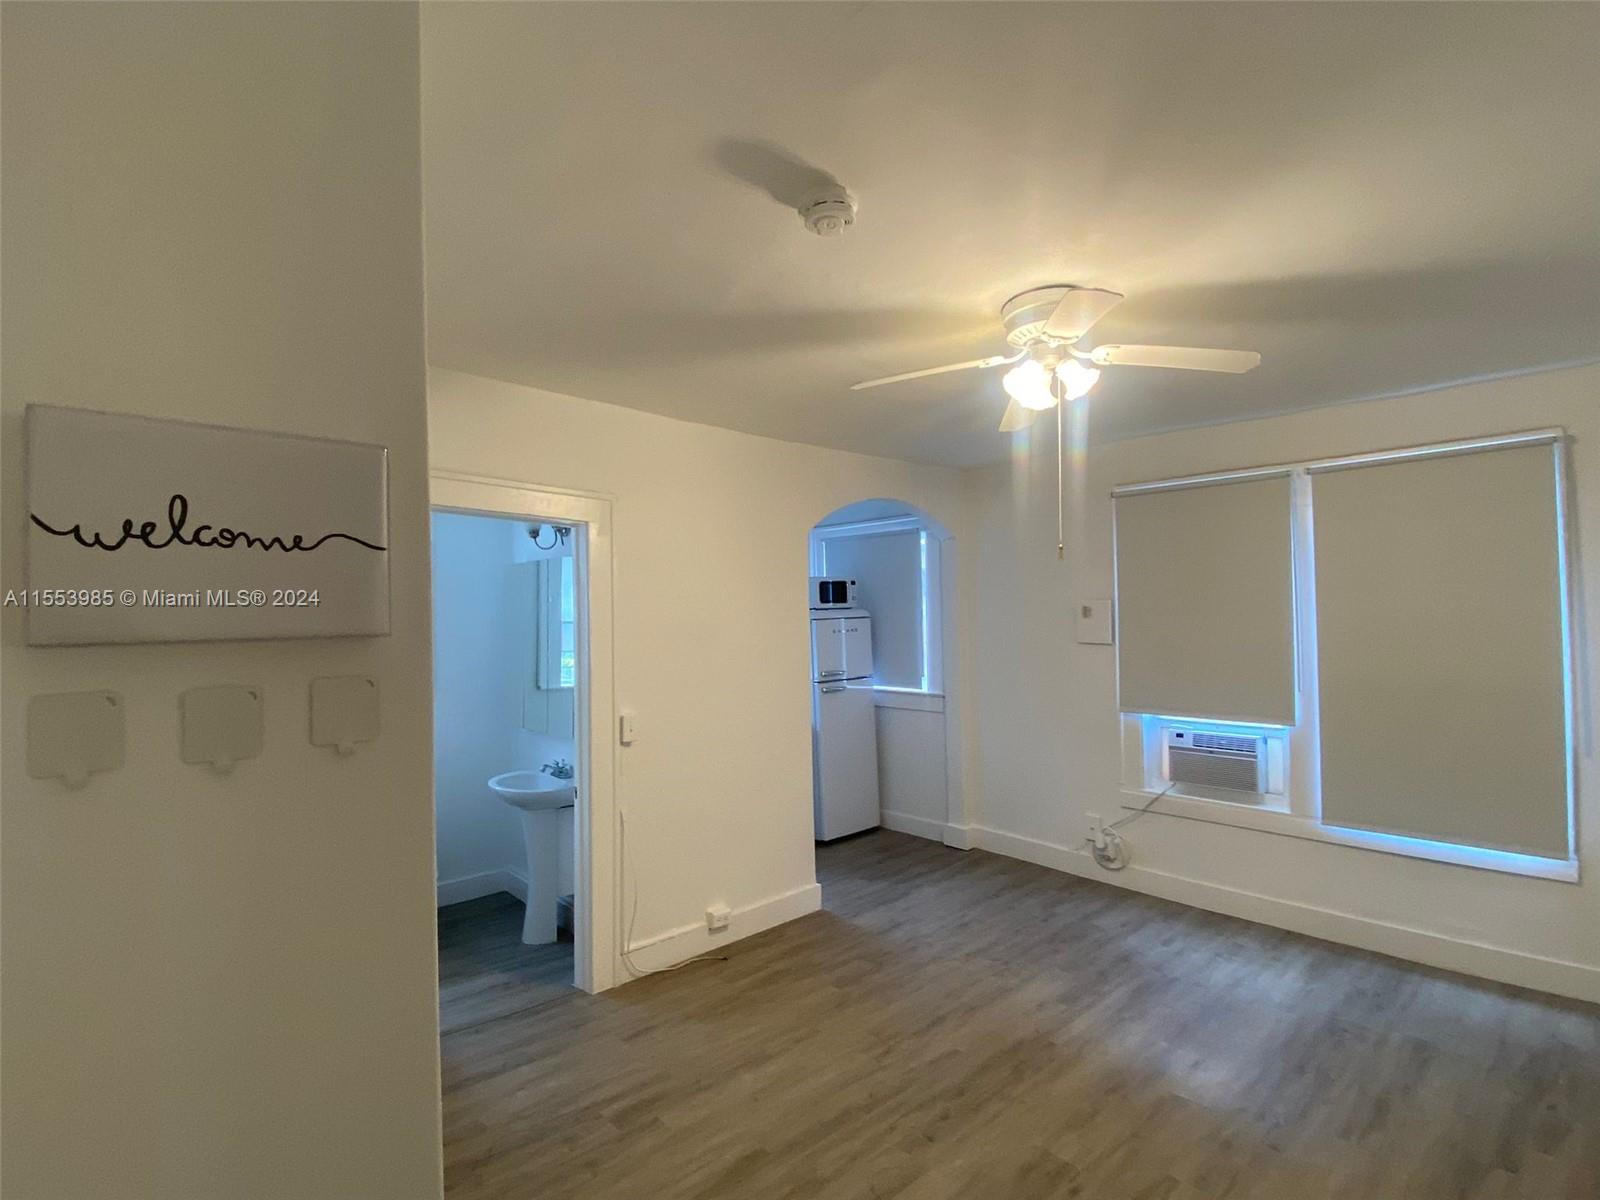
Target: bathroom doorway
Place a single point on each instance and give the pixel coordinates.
(521, 627)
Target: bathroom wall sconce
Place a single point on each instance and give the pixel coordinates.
(558, 535)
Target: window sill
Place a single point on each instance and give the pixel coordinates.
(1267, 820)
(908, 698)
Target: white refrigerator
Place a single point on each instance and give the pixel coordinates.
(844, 734)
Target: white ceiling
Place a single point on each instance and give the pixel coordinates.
(1375, 197)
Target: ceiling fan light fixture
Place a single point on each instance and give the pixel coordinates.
(1028, 383)
(1077, 379)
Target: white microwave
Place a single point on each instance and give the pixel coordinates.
(830, 592)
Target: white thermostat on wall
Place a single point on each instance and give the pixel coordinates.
(1094, 621)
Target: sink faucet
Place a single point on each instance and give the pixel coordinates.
(559, 769)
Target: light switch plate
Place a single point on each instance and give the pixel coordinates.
(1094, 621)
(344, 711)
(220, 725)
(73, 734)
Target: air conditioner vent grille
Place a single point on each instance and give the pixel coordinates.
(1223, 741)
(1237, 773)
(1205, 760)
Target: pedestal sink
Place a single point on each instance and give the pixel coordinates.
(540, 798)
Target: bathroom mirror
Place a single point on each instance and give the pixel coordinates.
(548, 698)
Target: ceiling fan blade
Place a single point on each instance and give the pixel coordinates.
(1185, 358)
(1017, 417)
(993, 361)
(1079, 309)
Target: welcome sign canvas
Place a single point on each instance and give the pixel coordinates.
(147, 530)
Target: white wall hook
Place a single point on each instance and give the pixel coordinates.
(221, 726)
(344, 711)
(71, 735)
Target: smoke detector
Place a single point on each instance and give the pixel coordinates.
(829, 212)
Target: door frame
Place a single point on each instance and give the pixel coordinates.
(597, 919)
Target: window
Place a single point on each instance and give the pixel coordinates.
(1205, 599)
(1440, 645)
(896, 566)
(567, 666)
(558, 654)
(1424, 647)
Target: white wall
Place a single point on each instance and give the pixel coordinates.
(1048, 724)
(484, 629)
(718, 786)
(220, 985)
(912, 780)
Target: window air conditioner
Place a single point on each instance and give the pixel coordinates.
(1237, 761)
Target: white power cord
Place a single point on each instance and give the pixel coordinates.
(1111, 852)
(633, 915)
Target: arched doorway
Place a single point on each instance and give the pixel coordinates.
(903, 564)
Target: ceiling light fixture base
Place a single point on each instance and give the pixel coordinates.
(1025, 314)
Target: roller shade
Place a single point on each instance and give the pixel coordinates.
(1205, 600)
(1441, 654)
(887, 568)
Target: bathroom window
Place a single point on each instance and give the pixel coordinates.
(558, 636)
(567, 663)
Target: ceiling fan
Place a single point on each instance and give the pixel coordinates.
(1045, 325)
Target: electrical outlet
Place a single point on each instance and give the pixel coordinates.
(717, 917)
(1097, 830)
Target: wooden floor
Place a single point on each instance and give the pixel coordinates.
(964, 1025)
(486, 973)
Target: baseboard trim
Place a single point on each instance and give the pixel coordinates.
(957, 837)
(922, 827)
(1564, 978)
(690, 941)
(960, 837)
(485, 883)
